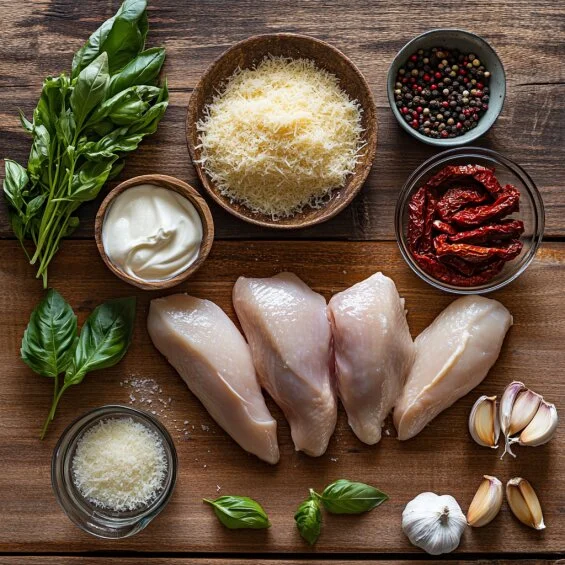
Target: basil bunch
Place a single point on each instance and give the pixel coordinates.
(51, 346)
(83, 126)
(239, 512)
(340, 497)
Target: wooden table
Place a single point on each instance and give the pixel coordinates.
(38, 39)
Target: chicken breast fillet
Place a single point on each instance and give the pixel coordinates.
(453, 355)
(286, 326)
(210, 354)
(373, 352)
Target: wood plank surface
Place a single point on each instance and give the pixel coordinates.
(207, 561)
(39, 38)
(442, 458)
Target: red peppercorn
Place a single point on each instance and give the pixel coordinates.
(404, 110)
(404, 80)
(415, 124)
(445, 104)
(479, 93)
(462, 72)
(485, 107)
(433, 86)
(427, 77)
(414, 57)
(438, 75)
(419, 88)
(465, 80)
(414, 113)
(412, 79)
(480, 85)
(444, 133)
(459, 125)
(419, 109)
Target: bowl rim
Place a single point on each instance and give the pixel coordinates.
(469, 136)
(441, 158)
(263, 220)
(169, 183)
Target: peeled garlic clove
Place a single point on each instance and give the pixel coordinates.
(524, 503)
(505, 411)
(484, 426)
(542, 428)
(524, 409)
(486, 502)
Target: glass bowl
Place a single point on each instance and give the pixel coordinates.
(507, 172)
(102, 522)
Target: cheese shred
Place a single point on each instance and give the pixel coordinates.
(119, 464)
(280, 136)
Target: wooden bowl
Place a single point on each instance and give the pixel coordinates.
(250, 52)
(181, 188)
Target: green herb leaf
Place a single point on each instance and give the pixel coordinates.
(90, 178)
(50, 337)
(237, 512)
(90, 88)
(92, 48)
(346, 497)
(51, 102)
(15, 182)
(104, 339)
(26, 124)
(308, 519)
(144, 69)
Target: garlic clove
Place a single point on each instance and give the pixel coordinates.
(524, 503)
(542, 427)
(505, 411)
(524, 409)
(486, 503)
(484, 425)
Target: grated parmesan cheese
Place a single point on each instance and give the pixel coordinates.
(119, 464)
(280, 136)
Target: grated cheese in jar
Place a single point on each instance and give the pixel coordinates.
(119, 464)
(280, 137)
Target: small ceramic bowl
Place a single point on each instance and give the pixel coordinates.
(507, 172)
(249, 53)
(466, 42)
(181, 188)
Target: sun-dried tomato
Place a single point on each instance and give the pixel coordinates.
(504, 229)
(434, 267)
(477, 253)
(458, 197)
(450, 218)
(444, 227)
(507, 203)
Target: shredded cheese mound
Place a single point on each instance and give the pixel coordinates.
(119, 464)
(280, 137)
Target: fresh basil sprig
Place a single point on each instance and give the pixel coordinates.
(340, 497)
(82, 128)
(347, 497)
(50, 345)
(308, 519)
(238, 512)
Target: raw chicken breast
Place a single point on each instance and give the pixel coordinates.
(373, 352)
(453, 355)
(285, 323)
(205, 347)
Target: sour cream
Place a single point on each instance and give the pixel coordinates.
(152, 233)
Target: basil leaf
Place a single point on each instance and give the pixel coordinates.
(90, 178)
(50, 336)
(65, 127)
(144, 69)
(90, 88)
(237, 512)
(18, 226)
(25, 123)
(346, 497)
(308, 520)
(92, 48)
(15, 182)
(51, 102)
(104, 339)
(39, 153)
(35, 205)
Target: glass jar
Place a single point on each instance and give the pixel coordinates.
(103, 522)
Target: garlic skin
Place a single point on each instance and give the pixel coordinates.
(486, 503)
(484, 425)
(542, 427)
(505, 411)
(524, 503)
(434, 523)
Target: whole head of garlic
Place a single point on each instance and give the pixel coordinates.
(433, 522)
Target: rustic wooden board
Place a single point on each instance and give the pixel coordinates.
(39, 38)
(442, 458)
(206, 561)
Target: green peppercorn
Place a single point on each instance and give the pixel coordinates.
(414, 72)
(450, 122)
(439, 117)
(476, 62)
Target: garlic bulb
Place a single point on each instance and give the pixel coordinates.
(434, 523)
